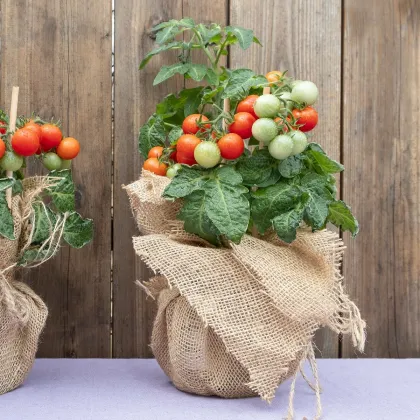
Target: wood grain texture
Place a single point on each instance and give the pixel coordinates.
(59, 53)
(381, 153)
(304, 38)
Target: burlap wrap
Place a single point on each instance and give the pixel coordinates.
(237, 322)
(22, 312)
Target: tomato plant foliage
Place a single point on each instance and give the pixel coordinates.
(258, 190)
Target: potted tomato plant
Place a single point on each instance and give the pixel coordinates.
(37, 214)
(233, 204)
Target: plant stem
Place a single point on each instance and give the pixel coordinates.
(219, 54)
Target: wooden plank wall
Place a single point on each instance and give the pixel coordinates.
(365, 58)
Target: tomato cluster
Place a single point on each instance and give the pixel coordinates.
(37, 138)
(278, 120)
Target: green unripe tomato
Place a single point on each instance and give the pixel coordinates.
(300, 141)
(295, 83)
(11, 161)
(264, 130)
(281, 147)
(286, 96)
(207, 154)
(173, 170)
(65, 164)
(267, 106)
(306, 92)
(52, 161)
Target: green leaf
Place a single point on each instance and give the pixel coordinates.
(287, 223)
(341, 216)
(44, 222)
(166, 47)
(187, 181)
(323, 163)
(166, 34)
(208, 33)
(240, 82)
(62, 193)
(291, 166)
(245, 36)
(257, 41)
(77, 231)
(6, 183)
(17, 187)
(175, 134)
(271, 180)
(229, 175)
(187, 22)
(268, 203)
(36, 254)
(258, 168)
(151, 134)
(195, 218)
(6, 219)
(166, 72)
(162, 25)
(210, 94)
(227, 207)
(191, 99)
(316, 147)
(211, 77)
(197, 72)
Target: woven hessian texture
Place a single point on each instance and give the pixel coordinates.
(236, 322)
(22, 312)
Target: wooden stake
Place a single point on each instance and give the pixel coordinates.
(226, 108)
(12, 128)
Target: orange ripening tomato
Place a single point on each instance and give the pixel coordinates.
(36, 128)
(186, 145)
(190, 126)
(186, 160)
(155, 152)
(307, 118)
(2, 148)
(153, 165)
(274, 77)
(247, 105)
(68, 148)
(51, 136)
(280, 123)
(25, 142)
(242, 124)
(231, 146)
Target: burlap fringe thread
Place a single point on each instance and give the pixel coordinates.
(22, 313)
(238, 322)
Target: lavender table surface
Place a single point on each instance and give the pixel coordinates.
(98, 389)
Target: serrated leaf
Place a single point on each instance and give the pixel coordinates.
(6, 183)
(211, 77)
(77, 231)
(245, 36)
(6, 219)
(240, 82)
(208, 33)
(197, 72)
(195, 218)
(166, 47)
(62, 192)
(229, 175)
(257, 41)
(175, 134)
(287, 223)
(167, 72)
(162, 25)
(210, 94)
(17, 187)
(151, 134)
(268, 203)
(271, 180)
(339, 214)
(316, 147)
(187, 181)
(167, 34)
(187, 22)
(43, 224)
(291, 167)
(257, 169)
(227, 207)
(192, 100)
(323, 163)
(36, 254)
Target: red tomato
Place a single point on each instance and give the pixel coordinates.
(231, 146)
(3, 127)
(186, 145)
(51, 136)
(2, 148)
(247, 105)
(242, 124)
(33, 127)
(190, 126)
(306, 117)
(182, 158)
(155, 152)
(172, 156)
(25, 142)
(68, 148)
(153, 165)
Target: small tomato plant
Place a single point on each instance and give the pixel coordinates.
(53, 212)
(249, 168)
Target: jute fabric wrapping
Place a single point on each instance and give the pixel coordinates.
(238, 321)
(22, 312)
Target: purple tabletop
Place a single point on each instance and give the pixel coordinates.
(120, 389)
